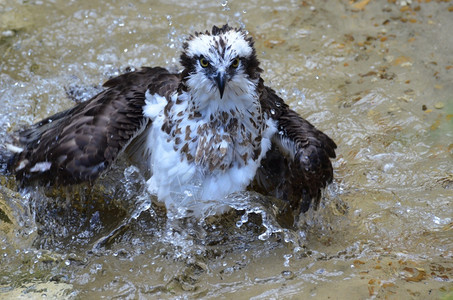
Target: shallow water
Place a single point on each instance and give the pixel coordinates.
(376, 76)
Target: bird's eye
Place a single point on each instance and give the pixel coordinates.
(235, 63)
(204, 63)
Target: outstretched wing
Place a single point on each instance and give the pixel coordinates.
(78, 144)
(298, 165)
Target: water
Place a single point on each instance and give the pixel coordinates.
(377, 80)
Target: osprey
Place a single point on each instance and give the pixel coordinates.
(204, 133)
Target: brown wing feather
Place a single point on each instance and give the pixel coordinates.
(298, 165)
(84, 141)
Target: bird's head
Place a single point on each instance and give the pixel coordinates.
(220, 63)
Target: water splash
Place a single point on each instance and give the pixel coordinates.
(133, 193)
(225, 6)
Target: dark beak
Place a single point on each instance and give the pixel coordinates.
(220, 80)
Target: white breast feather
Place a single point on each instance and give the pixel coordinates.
(186, 186)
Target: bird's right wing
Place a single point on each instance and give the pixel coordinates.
(78, 144)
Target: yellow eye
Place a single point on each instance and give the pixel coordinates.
(235, 63)
(204, 63)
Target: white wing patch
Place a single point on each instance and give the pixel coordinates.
(154, 105)
(41, 167)
(14, 149)
(23, 163)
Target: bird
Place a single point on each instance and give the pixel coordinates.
(203, 133)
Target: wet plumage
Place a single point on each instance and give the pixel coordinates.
(206, 132)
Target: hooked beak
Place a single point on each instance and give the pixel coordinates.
(220, 80)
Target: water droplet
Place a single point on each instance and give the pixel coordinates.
(225, 5)
(388, 167)
(287, 274)
(264, 236)
(287, 258)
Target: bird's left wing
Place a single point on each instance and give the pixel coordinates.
(298, 164)
(78, 144)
